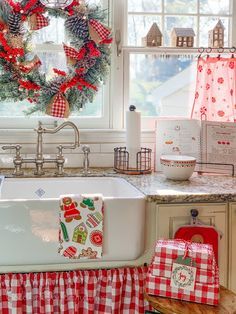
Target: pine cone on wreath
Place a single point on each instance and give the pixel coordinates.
(78, 26)
(15, 23)
(86, 63)
(54, 85)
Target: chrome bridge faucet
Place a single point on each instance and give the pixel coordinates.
(39, 159)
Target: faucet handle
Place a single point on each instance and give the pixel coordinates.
(86, 149)
(61, 147)
(17, 159)
(17, 147)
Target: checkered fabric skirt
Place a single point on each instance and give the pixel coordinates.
(118, 291)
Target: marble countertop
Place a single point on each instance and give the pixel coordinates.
(199, 188)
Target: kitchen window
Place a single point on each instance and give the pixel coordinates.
(158, 81)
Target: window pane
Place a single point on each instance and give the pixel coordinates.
(54, 32)
(208, 23)
(181, 6)
(52, 60)
(138, 26)
(13, 109)
(162, 87)
(177, 21)
(215, 6)
(144, 5)
(93, 109)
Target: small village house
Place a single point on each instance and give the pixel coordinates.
(153, 37)
(216, 35)
(182, 37)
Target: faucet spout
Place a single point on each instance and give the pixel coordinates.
(63, 125)
(59, 160)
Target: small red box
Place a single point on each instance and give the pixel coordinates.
(205, 287)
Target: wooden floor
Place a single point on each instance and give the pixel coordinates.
(227, 305)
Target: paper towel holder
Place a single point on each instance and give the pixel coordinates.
(143, 161)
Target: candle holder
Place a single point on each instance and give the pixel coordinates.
(143, 161)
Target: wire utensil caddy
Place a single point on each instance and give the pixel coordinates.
(143, 161)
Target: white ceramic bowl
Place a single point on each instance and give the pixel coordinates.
(177, 167)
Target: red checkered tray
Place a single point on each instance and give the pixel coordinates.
(206, 285)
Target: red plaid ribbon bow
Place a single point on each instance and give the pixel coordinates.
(27, 67)
(89, 49)
(38, 21)
(73, 53)
(102, 31)
(58, 108)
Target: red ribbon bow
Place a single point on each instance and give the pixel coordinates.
(73, 53)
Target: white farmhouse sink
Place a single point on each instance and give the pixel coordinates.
(29, 210)
(52, 188)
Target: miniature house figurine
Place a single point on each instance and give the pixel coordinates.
(153, 37)
(182, 37)
(216, 35)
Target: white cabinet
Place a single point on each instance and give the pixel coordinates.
(232, 246)
(171, 217)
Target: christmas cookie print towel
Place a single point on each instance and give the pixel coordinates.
(81, 226)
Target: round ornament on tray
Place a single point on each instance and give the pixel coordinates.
(87, 59)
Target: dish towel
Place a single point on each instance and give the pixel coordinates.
(81, 226)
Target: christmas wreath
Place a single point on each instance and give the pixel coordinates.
(88, 59)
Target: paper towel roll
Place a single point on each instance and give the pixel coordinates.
(133, 135)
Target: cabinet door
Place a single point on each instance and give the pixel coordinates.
(232, 247)
(171, 217)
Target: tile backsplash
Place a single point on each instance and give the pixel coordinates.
(101, 142)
